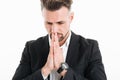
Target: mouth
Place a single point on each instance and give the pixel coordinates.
(60, 36)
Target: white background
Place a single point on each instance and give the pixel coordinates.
(21, 20)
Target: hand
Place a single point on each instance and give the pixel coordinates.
(55, 57)
(49, 66)
(58, 53)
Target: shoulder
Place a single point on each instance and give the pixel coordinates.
(38, 42)
(84, 41)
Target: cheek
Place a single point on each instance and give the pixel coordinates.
(65, 29)
(48, 28)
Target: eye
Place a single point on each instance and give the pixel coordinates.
(61, 23)
(49, 23)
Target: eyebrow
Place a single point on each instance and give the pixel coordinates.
(56, 22)
(48, 22)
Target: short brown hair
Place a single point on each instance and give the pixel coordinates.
(53, 5)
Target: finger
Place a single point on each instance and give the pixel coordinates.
(56, 44)
(53, 37)
(58, 58)
(51, 47)
(51, 56)
(56, 48)
(56, 40)
(52, 44)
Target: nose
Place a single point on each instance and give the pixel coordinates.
(54, 28)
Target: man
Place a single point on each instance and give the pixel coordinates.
(61, 55)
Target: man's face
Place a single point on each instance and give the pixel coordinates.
(57, 22)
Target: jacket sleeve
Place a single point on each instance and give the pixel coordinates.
(95, 68)
(23, 71)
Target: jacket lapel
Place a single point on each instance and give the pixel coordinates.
(73, 50)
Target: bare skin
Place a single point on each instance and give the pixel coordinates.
(57, 23)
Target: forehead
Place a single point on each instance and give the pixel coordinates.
(57, 15)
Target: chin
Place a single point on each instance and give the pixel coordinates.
(61, 39)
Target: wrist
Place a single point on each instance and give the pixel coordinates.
(45, 72)
(63, 73)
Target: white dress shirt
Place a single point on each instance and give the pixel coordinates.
(54, 75)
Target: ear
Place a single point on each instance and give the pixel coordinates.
(71, 16)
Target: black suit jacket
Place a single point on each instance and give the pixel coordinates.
(83, 57)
